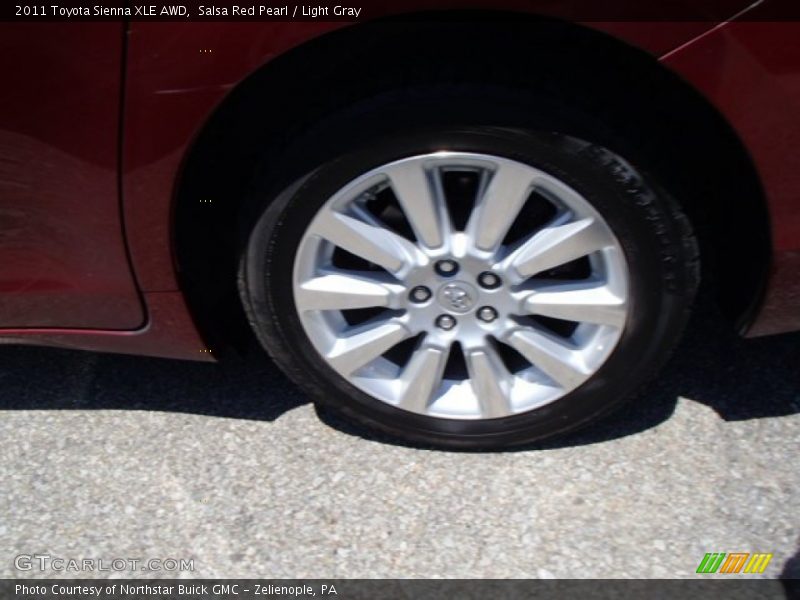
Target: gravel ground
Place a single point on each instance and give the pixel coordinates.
(115, 457)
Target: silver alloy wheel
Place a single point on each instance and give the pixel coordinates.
(527, 330)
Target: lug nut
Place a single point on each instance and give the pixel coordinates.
(446, 268)
(420, 294)
(488, 280)
(487, 314)
(445, 322)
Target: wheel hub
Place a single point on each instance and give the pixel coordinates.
(457, 297)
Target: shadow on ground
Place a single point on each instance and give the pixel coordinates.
(740, 379)
(790, 576)
(245, 387)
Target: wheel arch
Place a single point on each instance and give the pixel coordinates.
(649, 113)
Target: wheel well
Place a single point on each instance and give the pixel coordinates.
(648, 115)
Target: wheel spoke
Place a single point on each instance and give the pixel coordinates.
(355, 351)
(490, 381)
(499, 205)
(421, 377)
(558, 361)
(557, 245)
(343, 291)
(370, 242)
(419, 198)
(579, 302)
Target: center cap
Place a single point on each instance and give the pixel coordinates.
(458, 297)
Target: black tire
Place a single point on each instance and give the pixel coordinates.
(660, 249)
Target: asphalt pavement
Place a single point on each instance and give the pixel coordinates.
(118, 457)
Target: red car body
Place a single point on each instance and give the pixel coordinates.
(97, 119)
